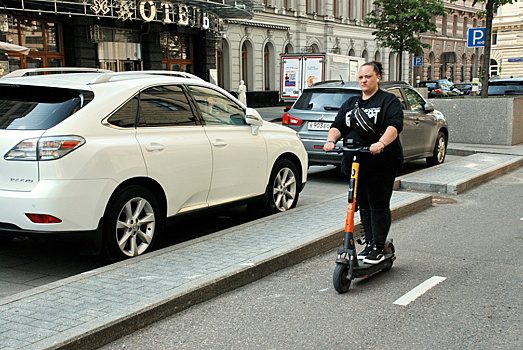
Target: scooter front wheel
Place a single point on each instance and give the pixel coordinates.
(342, 277)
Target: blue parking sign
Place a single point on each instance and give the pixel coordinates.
(418, 61)
(476, 37)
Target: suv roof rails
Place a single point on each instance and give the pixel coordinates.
(104, 78)
(54, 70)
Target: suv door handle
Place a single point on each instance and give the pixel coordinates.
(154, 147)
(219, 143)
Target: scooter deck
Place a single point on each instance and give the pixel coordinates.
(365, 270)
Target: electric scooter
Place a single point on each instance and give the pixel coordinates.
(347, 265)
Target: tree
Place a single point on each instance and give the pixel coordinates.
(398, 24)
(490, 8)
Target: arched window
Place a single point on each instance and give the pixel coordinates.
(473, 59)
(392, 66)
(493, 67)
(245, 65)
(365, 55)
(377, 56)
(267, 66)
(223, 65)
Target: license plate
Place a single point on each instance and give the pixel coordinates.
(319, 126)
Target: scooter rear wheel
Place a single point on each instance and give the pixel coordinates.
(342, 278)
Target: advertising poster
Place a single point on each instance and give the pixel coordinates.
(313, 70)
(291, 74)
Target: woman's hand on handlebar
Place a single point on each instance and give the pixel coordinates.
(329, 146)
(377, 148)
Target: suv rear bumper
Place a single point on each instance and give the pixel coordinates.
(79, 204)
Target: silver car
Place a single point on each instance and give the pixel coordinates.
(425, 130)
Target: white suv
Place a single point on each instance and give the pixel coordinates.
(108, 157)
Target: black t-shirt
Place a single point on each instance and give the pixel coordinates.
(385, 110)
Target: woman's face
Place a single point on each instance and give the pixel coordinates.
(368, 80)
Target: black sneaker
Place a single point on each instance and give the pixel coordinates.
(365, 252)
(375, 256)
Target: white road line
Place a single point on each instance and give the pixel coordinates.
(419, 290)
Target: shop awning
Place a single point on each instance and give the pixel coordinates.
(14, 48)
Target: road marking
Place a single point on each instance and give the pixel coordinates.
(419, 290)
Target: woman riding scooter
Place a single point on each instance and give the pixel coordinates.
(379, 167)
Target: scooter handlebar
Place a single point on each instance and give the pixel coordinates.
(363, 149)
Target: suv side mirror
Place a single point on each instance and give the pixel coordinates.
(429, 107)
(253, 117)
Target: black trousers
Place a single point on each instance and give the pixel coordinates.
(373, 198)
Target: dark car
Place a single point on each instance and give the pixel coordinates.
(440, 88)
(425, 130)
(464, 88)
(503, 87)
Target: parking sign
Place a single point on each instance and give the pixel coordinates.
(476, 37)
(418, 61)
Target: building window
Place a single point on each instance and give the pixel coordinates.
(267, 68)
(44, 38)
(245, 65)
(178, 52)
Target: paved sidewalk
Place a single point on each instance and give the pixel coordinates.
(96, 307)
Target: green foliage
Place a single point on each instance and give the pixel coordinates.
(399, 22)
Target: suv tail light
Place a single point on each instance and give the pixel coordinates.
(45, 148)
(290, 120)
(438, 91)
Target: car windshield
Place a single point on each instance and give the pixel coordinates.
(37, 107)
(324, 99)
(446, 84)
(505, 87)
(430, 85)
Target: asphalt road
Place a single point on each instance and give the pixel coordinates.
(25, 263)
(473, 243)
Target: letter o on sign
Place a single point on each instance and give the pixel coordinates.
(206, 23)
(147, 5)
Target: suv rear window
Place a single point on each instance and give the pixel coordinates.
(505, 87)
(324, 99)
(38, 107)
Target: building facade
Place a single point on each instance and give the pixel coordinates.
(119, 35)
(250, 50)
(507, 41)
(449, 57)
(223, 41)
